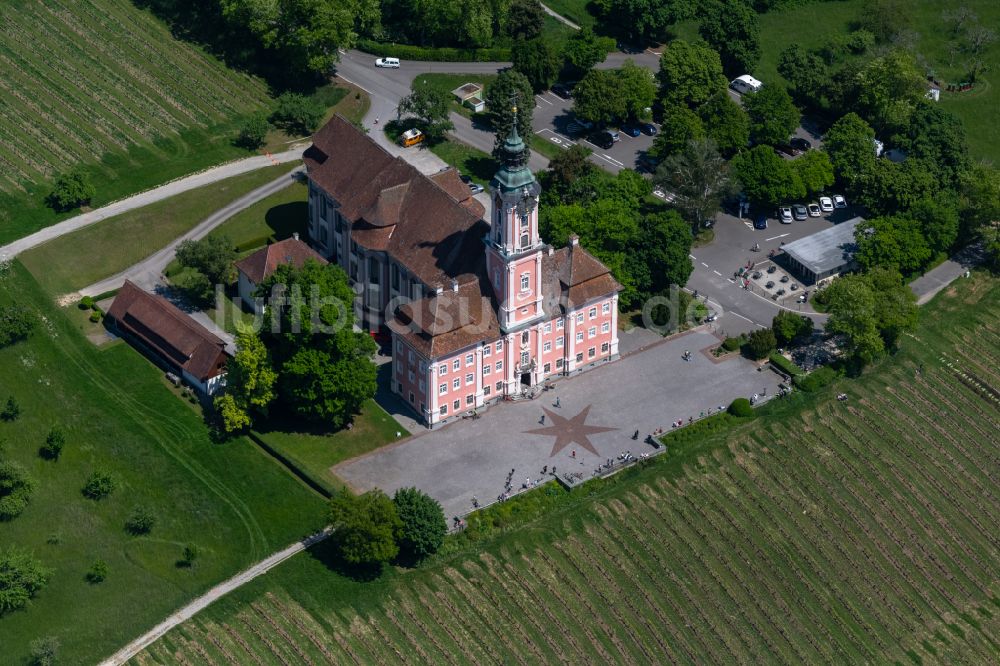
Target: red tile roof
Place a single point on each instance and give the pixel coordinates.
(180, 341)
(261, 264)
(421, 222)
(441, 324)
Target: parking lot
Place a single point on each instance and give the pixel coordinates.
(551, 121)
(716, 268)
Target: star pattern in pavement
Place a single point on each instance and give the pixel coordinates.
(569, 430)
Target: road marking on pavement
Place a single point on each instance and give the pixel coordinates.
(611, 159)
(736, 314)
(775, 237)
(344, 78)
(717, 273)
(557, 139)
(693, 257)
(539, 97)
(704, 264)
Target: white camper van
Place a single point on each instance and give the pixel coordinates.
(745, 84)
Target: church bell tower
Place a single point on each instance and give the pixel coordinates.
(514, 249)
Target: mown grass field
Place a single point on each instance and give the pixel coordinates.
(315, 453)
(818, 532)
(101, 250)
(235, 503)
(104, 84)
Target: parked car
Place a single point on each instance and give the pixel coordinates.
(646, 163)
(411, 137)
(579, 126)
(474, 187)
(745, 84)
(562, 90)
(772, 268)
(784, 279)
(760, 221)
(814, 210)
(780, 292)
(800, 144)
(649, 129)
(631, 130)
(603, 139)
(615, 136)
(392, 63)
(769, 285)
(784, 148)
(799, 212)
(839, 201)
(794, 286)
(826, 204)
(785, 215)
(757, 275)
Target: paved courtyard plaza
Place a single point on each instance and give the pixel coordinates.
(598, 411)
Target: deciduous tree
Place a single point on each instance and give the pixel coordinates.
(726, 123)
(596, 97)
(21, 578)
(850, 142)
(431, 107)
(306, 33)
(253, 131)
(699, 179)
(761, 343)
(690, 73)
(584, 49)
(324, 367)
(679, 126)
(731, 27)
(538, 60)
(767, 178)
(16, 487)
(895, 242)
(423, 523)
(365, 528)
(815, 171)
(72, 190)
(525, 19)
(250, 382)
(789, 326)
(297, 114)
(773, 116)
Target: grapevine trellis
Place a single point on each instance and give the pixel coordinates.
(82, 78)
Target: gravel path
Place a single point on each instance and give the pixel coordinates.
(141, 199)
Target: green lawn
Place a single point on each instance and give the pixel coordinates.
(272, 219)
(314, 453)
(235, 503)
(83, 257)
(574, 10)
(787, 538)
(445, 83)
(473, 162)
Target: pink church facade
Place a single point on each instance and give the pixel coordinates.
(478, 307)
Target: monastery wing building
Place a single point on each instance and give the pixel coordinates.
(478, 310)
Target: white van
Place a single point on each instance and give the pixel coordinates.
(387, 62)
(745, 84)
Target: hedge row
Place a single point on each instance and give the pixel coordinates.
(786, 366)
(816, 379)
(443, 54)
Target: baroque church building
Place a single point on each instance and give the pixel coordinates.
(479, 310)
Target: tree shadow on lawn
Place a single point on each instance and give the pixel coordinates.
(285, 219)
(325, 552)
